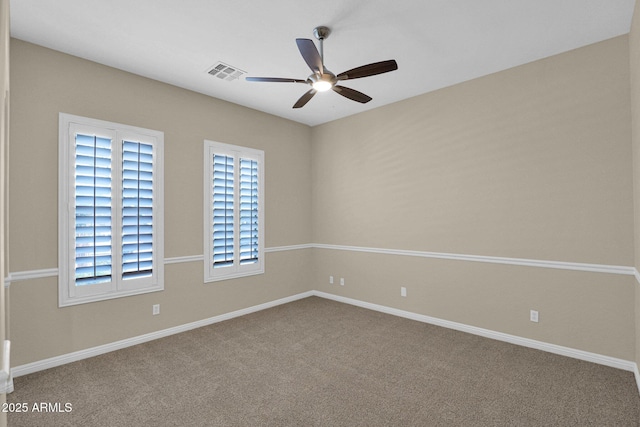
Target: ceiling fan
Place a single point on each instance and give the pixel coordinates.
(322, 79)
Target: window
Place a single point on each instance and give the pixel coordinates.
(234, 211)
(110, 210)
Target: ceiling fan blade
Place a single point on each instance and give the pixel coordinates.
(309, 52)
(369, 70)
(352, 94)
(274, 80)
(305, 98)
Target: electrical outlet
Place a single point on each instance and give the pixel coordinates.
(342, 281)
(403, 291)
(331, 280)
(533, 316)
(156, 309)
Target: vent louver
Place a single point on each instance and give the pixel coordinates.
(225, 71)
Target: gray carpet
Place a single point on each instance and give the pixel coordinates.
(316, 362)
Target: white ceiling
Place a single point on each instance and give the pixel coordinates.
(437, 43)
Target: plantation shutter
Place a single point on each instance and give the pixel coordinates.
(248, 211)
(93, 215)
(137, 209)
(223, 211)
(233, 211)
(110, 210)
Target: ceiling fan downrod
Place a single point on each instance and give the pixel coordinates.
(321, 33)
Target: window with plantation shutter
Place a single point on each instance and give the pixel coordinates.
(111, 210)
(233, 216)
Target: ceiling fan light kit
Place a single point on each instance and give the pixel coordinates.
(321, 79)
(324, 82)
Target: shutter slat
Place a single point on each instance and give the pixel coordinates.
(248, 211)
(93, 229)
(223, 211)
(137, 209)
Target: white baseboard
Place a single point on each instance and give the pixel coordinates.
(106, 348)
(513, 339)
(525, 342)
(6, 381)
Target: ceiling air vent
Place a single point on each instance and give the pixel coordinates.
(225, 72)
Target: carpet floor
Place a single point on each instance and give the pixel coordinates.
(316, 362)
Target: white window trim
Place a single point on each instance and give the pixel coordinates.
(211, 274)
(68, 293)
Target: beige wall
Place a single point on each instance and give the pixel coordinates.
(532, 162)
(46, 83)
(634, 63)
